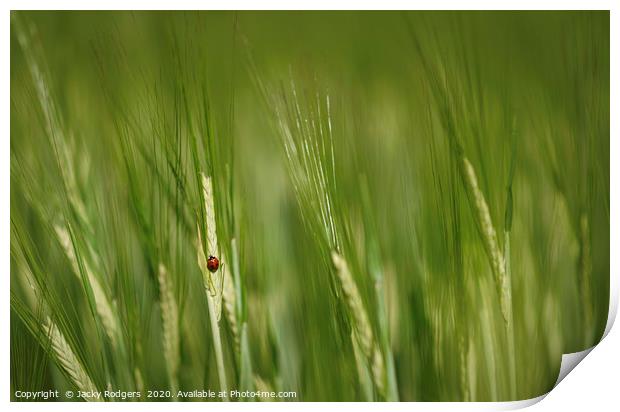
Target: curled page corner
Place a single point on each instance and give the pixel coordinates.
(525, 403)
(569, 362)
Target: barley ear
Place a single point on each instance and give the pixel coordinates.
(207, 279)
(214, 282)
(68, 361)
(362, 369)
(364, 334)
(489, 236)
(105, 308)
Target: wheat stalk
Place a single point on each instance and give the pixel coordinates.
(103, 305)
(68, 361)
(62, 350)
(363, 329)
(308, 146)
(500, 263)
(170, 326)
(209, 199)
(53, 124)
(213, 282)
(489, 237)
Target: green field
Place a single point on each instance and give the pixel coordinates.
(405, 206)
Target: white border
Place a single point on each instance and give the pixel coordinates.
(595, 377)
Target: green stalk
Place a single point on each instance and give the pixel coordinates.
(217, 341)
(500, 265)
(392, 388)
(510, 336)
(245, 369)
(213, 282)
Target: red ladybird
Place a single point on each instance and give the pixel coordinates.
(213, 264)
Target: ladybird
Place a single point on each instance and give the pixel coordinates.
(213, 264)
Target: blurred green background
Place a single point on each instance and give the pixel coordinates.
(104, 109)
